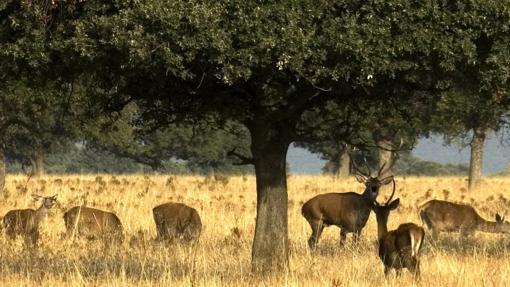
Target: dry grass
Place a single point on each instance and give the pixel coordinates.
(222, 258)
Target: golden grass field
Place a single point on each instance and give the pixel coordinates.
(222, 257)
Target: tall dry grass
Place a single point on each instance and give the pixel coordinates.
(222, 257)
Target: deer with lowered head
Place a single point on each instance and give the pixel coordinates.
(440, 215)
(349, 211)
(93, 223)
(177, 221)
(25, 222)
(398, 248)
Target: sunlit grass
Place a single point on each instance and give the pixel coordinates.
(222, 257)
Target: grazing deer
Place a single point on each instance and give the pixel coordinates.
(26, 222)
(177, 221)
(398, 248)
(349, 211)
(439, 215)
(93, 223)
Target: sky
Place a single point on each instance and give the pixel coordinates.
(496, 155)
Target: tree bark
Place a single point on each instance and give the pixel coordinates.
(344, 163)
(2, 170)
(476, 160)
(386, 157)
(270, 244)
(37, 163)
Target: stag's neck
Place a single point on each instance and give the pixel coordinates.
(382, 228)
(490, 226)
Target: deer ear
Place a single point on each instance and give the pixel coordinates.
(36, 197)
(394, 204)
(498, 218)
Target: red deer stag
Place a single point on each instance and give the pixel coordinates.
(93, 223)
(398, 248)
(439, 215)
(349, 211)
(177, 221)
(25, 222)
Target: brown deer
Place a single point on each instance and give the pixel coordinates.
(25, 222)
(440, 215)
(177, 221)
(349, 211)
(93, 223)
(398, 248)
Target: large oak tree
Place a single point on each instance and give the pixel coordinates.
(289, 71)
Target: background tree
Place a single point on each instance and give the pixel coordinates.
(204, 149)
(480, 97)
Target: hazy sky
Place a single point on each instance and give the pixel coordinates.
(496, 155)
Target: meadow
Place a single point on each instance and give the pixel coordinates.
(227, 209)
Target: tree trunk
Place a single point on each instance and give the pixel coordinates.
(476, 160)
(37, 163)
(386, 157)
(344, 163)
(270, 244)
(2, 170)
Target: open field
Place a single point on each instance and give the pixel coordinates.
(222, 257)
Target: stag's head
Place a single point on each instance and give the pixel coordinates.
(372, 184)
(47, 201)
(382, 211)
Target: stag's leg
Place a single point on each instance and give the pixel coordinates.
(317, 227)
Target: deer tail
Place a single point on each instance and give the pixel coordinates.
(417, 236)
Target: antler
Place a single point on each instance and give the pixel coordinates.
(392, 193)
(381, 169)
(356, 169)
(366, 164)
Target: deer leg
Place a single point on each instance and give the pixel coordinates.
(356, 235)
(435, 234)
(35, 238)
(387, 270)
(343, 235)
(398, 271)
(317, 227)
(465, 233)
(416, 271)
(11, 234)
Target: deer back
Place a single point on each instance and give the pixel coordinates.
(401, 244)
(93, 222)
(179, 218)
(350, 210)
(20, 220)
(449, 216)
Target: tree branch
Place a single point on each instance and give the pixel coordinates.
(244, 159)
